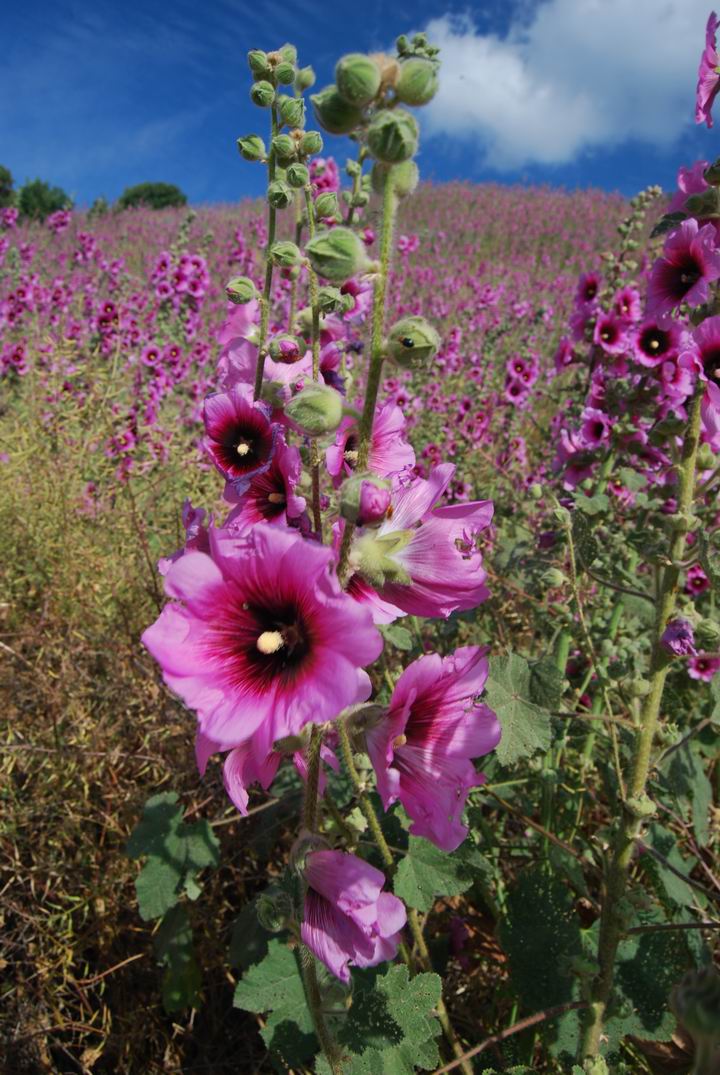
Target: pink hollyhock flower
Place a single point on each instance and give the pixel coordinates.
(564, 356)
(348, 919)
(696, 581)
(240, 321)
(390, 453)
(588, 288)
(423, 559)
(421, 750)
(689, 181)
(270, 496)
(708, 74)
(595, 429)
(678, 378)
(324, 175)
(260, 639)
(705, 348)
(240, 437)
(237, 364)
(656, 341)
(678, 638)
(690, 262)
(710, 416)
(703, 667)
(362, 292)
(610, 333)
(627, 304)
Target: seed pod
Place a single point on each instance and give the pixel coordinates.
(337, 254)
(262, 94)
(298, 176)
(291, 110)
(279, 194)
(333, 112)
(393, 136)
(310, 143)
(412, 343)
(357, 78)
(240, 290)
(418, 81)
(316, 410)
(284, 254)
(252, 147)
(285, 148)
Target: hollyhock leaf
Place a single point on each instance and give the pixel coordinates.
(525, 726)
(157, 831)
(649, 966)
(667, 223)
(399, 637)
(275, 985)
(708, 562)
(426, 872)
(583, 538)
(546, 683)
(202, 847)
(689, 787)
(670, 888)
(181, 986)
(592, 505)
(248, 940)
(157, 887)
(290, 1036)
(173, 947)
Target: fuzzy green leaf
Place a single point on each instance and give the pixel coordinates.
(546, 683)
(427, 872)
(525, 726)
(157, 887)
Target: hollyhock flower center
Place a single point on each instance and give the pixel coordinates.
(275, 642)
(711, 363)
(654, 341)
(351, 451)
(689, 272)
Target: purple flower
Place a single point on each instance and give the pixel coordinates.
(240, 437)
(595, 429)
(703, 667)
(678, 638)
(270, 496)
(655, 341)
(390, 453)
(348, 919)
(421, 750)
(610, 333)
(708, 74)
(690, 262)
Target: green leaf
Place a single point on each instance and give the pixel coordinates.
(399, 637)
(667, 223)
(157, 832)
(584, 540)
(690, 787)
(525, 726)
(592, 505)
(275, 984)
(157, 887)
(427, 872)
(202, 847)
(248, 940)
(547, 683)
(672, 890)
(173, 944)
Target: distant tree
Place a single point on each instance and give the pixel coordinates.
(37, 199)
(152, 195)
(7, 194)
(98, 208)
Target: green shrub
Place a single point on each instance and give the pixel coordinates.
(37, 199)
(7, 194)
(152, 195)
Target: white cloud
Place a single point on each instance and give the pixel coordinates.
(578, 74)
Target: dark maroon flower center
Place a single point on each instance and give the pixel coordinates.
(654, 342)
(244, 447)
(711, 363)
(350, 451)
(609, 333)
(269, 641)
(687, 273)
(590, 290)
(597, 430)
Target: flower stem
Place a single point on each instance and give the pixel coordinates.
(313, 779)
(315, 307)
(265, 298)
(315, 1004)
(630, 823)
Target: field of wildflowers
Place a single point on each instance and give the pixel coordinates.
(409, 493)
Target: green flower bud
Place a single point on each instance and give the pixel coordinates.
(412, 343)
(365, 499)
(331, 300)
(259, 63)
(402, 44)
(337, 254)
(707, 634)
(240, 290)
(304, 79)
(252, 147)
(284, 254)
(405, 177)
(553, 578)
(393, 136)
(288, 52)
(705, 205)
(311, 142)
(359, 200)
(712, 173)
(304, 322)
(285, 148)
(262, 94)
(418, 81)
(639, 687)
(326, 206)
(279, 194)
(298, 176)
(333, 112)
(274, 911)
(373, 557)
(291, 110)
(286, 349)
(316, 410)
(536, 491)
(285, 73)
(705, 457)
(357, 78)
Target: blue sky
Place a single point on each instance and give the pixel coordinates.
(97, 96)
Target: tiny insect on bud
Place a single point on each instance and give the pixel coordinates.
(337, 254)
(252, 147)
(357, 78)
(412, 343)
(333, 112)
(262, 94)
(279, 194)
(298, 176)
(316, 410)
(240, 290)
(291, 111)
(418, 81)
(393, 136)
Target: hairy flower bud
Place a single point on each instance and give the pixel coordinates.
(285, 149)
(357, 78)
(412, 343)
(418, 81)
(252, 147)
(393, 136)
(405, 177)
(279, 194)
(316, 410)
(310, 143)
(332, 301)
(326, 206)
(333, 112)
(288, 52)
(304, 79)
(553, 578)
(298, 176)
(286, 348)
(274, 910)
(259, 63)
(707, 634)
(240, 290)
(291, 110)
(337, 254)
(365, 499)
(285, 73)
(262, 94)
(284, 254)
(705, 205)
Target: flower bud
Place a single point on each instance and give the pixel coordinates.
(357, 78)
(285, 149)
(274, 910)
(279, 194)
(705, 205)
(284, 254)
(373, 555)
(252, 147)
(359, 200)
(304, 322)
(262, 94)
(418, 81)
(298, 176)
(306, 843)
(412, 343)
(333, 112)
(288, 52)
(259, 63)
(707, 635)
(285, 73)
(291, 110)
(326, 206)
(365, 499)
(553, 578)
(712, 173)
(286, 349)
(332, 301)
(304, 79)
(337, 254)
(402, 44)
(393, 136)
(316, 410)
(310, 143)
(240, 290)
(705, 457)
(405, 177)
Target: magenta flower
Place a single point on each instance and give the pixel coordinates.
(708, 74)
(610, 333)
(703, 667)
(260, 639)
(390, 453)
(690, 262)
(240, 436)
(696, 581)
(595, 429)
(706, 341)
(196, 536)
(421, 751)
(588, 288)
(348, 919)
(627, 304)
(655, 341)
(270, 496)
(678, 638)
